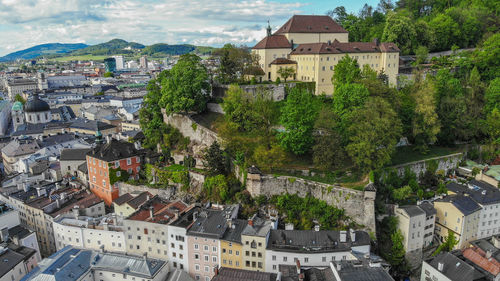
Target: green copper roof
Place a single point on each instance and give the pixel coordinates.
(17, 106)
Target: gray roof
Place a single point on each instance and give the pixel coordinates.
(350, 271)
(428, 208)
(454, 268)
(90, 125)
(412, 210)
(314, 241)
(18, 147)
(83, 167)
(19, 232)
(74, 154)
(463, 203)
(231, 274)
(212, 223)
(8, 260)
(70, 264)
(233, 233)
(259, 227)
(481, 192)
(179, 275)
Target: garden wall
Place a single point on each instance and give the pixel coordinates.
(189, 128)
(445, 163)
(359, 205)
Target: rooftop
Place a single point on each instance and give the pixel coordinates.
(311, 24)
(159, 211)
(454, 268)
(231, 274)
(412, 210)
(273, 42)
(481, 192)
(337, 47)
(463, 203)
(74, 154)
(114, 150)
(8, 260)
(212, 222)
(315, 241)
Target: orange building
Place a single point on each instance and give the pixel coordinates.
(109, 163)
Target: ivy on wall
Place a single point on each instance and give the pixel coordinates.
(113, 177)
(164, 176)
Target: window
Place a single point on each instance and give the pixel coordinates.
(205, 248)
(323, 259)
(129, 161)
(274, 258)
(117, 164)
(285, 259)
(196, 246)
(206, 257)
(103, 183)
(214, 259)
(207, 269)
(118, 173)
(214, 249)
(306, 259)
(137, 159)
(197, 267)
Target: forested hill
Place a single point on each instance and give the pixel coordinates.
(437, 25)
(44, 49)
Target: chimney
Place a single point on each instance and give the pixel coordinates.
(108, 138)
(440, 266)
(250, 222)
(496, 241)
(145, 256)
(329, 42)
(376, 41)
(102, 248)
(289, 226)
(297, 266)
(195, 215)
(105, 226)
(316, 227)
(343, 236)
(291, 44)
(488, 254)
(4, 234)
(216, 270)
(151, 212)
(353, 235)
(230, 223)
(278, 278)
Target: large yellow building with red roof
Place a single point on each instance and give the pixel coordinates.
(313, 45)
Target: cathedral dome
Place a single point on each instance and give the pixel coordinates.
(35, 104)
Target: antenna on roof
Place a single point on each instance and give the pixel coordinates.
(268, 28)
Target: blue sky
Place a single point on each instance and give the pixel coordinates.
(24, 23)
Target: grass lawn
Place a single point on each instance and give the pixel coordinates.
(407, 154)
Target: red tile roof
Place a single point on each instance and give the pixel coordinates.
(163, 212)
(341, 48)
(478, 257)
(283, 61)
(273, 42)
(311, 24)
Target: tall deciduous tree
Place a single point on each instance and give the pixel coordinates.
(286, 72)
(233, 63)
(186, 86)
(400, 30)
(346, 71)
(374, 133)
(328, 152)
(492, 95)
(215, 160)
(298, 116)
(426, 123)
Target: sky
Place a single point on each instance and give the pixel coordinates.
(25, 23)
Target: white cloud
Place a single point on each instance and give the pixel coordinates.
(200, 22)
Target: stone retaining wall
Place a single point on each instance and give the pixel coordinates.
(445, 163)
(359, 205)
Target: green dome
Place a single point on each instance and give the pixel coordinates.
(17, 106)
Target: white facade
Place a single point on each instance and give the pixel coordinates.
(146, 238)
(64, 81)
(412, 228)
(15, 274)
(38, 117)
(18, 87)
(178, 248)
(9, 219)
(489, 220)
(123, 102)
(275, 258)
(119, 62)
(80, 234)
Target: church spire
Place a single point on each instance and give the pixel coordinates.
(268, 28)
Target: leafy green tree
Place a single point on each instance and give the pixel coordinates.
(20, 99)
(492, 95)
(346, 71)
(108, 74)
(426, 124)
(298, 116)
(328, 152)
(216, 188)
(397, 254)
(346, 99)
(286, 72)
(449, 243)
(425, 35)
(493, 125)
(401, 194)
(186, 86)
(400, 30)
(446, 30)
(374, 132)
(475, 102)
(487, 57)
(150, 116)
(215, 160)
(421, 53)
(269, 158)
(233, 63)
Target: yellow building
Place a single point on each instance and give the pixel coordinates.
(254, 240)
(314, 45)
(129, 203)
(230, 244)
(458, 214)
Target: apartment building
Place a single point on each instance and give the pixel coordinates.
(204, 240)
(313, 248)
(488, 198)
(110, 162)
(460, 215)
(146, 230)
(416, 223)
(254, 239)
(231, 246)
(129, 203)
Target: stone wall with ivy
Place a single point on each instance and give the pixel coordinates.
(359, 205)
(443, 163)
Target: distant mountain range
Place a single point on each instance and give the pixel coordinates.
(41, 50)
(113, 47)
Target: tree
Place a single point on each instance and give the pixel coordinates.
(400, 30)
(185, 87)
(216, 188)
(286, 72)
(328, 153)
(446, 29)
(401, 194)
(150, 116)
(215, 160)
(346, 71)
(493, 126)
(475, 102)
(346, 99)
(298, 116)
(233, 63)
(108, 74)
(487, 57)
(492, 95)
(374, 132)
(397, 255)
(426, 124)
(449, 243)
(20, 99)
(269, 158)
(421, 53)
